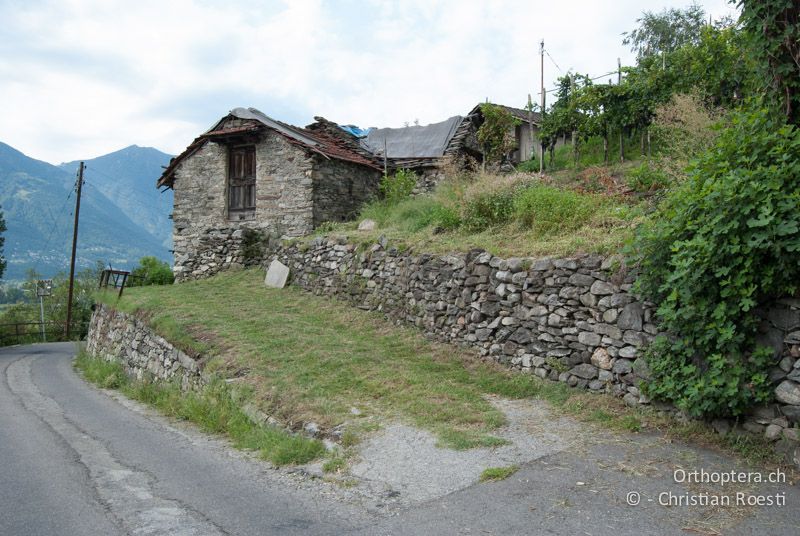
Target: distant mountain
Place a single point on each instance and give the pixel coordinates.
(128, 177)
(38, 202)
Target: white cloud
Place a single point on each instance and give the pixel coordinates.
(80, 78)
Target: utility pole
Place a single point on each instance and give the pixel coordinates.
(43, 288)
(541, 110)
(74, 246)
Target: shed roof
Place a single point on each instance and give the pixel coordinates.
(255, 121)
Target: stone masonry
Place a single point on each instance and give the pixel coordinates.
(295, 192)
(116, 336)
(572, 320)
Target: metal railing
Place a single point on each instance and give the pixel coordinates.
(33, 332)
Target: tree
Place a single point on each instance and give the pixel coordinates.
(151, 271)
(772, 28)
(665, 32)
(496, 134)
(2, 242)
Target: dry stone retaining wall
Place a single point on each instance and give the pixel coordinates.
(573, 320)
(117, 336)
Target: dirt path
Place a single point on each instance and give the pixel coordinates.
(573, 478)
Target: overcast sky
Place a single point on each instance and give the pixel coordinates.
(82, 78)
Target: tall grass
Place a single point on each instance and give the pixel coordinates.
(213, 408)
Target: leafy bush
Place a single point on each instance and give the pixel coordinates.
(723, 242)
(546, 209)
(529, 166)
(496, 134)
(489, 208)
(646, 178)
(399, 186)
(151, 271)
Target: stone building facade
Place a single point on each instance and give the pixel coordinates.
(250, 172)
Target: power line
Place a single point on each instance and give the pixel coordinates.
(590, 79)
(53, 228)
(554, 61)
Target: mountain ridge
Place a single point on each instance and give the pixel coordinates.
(123, 216)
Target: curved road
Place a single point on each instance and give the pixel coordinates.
(74, 461)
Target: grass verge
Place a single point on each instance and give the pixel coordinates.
(494, 474)
(213, 409)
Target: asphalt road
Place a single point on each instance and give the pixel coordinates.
(75, 461)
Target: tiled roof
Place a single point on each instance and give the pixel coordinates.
(256, 121)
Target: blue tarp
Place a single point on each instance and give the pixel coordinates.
(356, 131)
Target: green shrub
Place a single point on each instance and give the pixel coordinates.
(529, 166)
(398, 186)
(722, 243)
(253, 242)
(490, 208)
(151, 271)
(547, 210)
(646, 178)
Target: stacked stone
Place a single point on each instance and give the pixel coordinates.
(116, 336)
(572, 320)
(563, 319)
(204, 254)
(780, 422)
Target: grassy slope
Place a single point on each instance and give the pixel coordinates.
(308, 359)
(560, 215)
(305, 358)
(213, 408)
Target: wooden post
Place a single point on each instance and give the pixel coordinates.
(621, 136)
(74, 246)
(541, 110)
(385, 159)
(574, 132)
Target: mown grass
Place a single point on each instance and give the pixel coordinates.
(307, 358)
(213, 409)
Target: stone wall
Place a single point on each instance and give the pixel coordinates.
(116, 336)
(428, 178)
(205, 238)
(340, 188)
(572, 320)
(295, 192)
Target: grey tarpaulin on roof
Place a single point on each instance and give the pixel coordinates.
(258, 115)
(416, 141)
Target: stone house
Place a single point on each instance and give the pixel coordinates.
(251, 172)
(424, 148)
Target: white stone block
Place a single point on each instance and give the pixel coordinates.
(277, 275)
